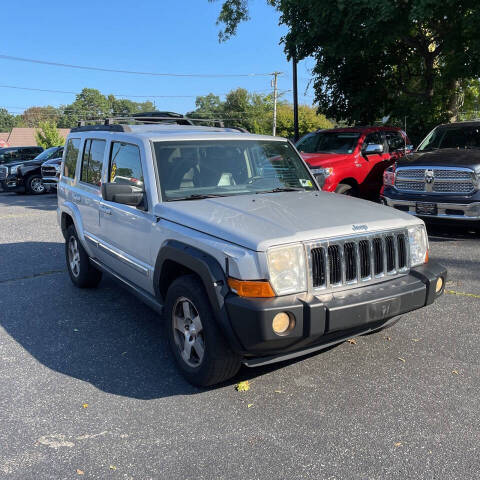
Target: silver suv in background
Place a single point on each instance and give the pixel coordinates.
(228, 237)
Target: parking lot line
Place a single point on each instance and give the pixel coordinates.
(463, 294)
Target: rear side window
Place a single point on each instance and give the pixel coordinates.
(395, 141)
(92, 162)
(71, 156)
(374, 138)
(125, 165)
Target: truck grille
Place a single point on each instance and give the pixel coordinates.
(358, 260)
(48, 171)
(3, 173)
(436, 180)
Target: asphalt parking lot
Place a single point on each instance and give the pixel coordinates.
(88, 388)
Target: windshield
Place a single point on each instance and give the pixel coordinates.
(48, 153)
(202, 169)
(336, 142)
(461, 137)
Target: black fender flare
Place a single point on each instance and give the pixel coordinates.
(210, 273)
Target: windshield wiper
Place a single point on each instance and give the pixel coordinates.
(198, 196)
(282, 189)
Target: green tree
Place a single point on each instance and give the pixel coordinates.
(34, 116)
(48, 135)
(7, 120)
(411, 58)
(308, 120)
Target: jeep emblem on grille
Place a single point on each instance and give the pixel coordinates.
(357, 228)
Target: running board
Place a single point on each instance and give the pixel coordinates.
(144, 296)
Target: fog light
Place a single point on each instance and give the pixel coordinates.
(282, 323)
(439, 285)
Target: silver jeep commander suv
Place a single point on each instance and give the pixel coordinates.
(227, 235)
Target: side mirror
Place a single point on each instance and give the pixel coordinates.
(373, 148)
(124, 194)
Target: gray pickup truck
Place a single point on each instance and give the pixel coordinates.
(227, 235)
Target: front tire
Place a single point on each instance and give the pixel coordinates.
(200, 350)
(345, 189)
(35, 185)
(81, 271)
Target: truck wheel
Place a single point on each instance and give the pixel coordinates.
(81, 271)
(345, 189)
(35, 185)
(201, 353)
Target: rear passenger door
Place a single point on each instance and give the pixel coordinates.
(125, 229)
(86, 193)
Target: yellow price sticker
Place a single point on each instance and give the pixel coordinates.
(114, 171)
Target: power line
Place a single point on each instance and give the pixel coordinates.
(132, 72)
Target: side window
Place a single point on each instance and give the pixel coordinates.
(92, 161)
(395, 141)
(374, 138)
(125, 165)
(308, 144)
(71, 156)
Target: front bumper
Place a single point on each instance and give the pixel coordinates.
(14, 184)
(455, 207)
(321, 321)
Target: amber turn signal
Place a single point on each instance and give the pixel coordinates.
(251, 288)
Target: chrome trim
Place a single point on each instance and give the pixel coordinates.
(118, 256)
(431, 172)
(372, 278)
(471, 210)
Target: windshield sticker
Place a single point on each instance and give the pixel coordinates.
(305, 183)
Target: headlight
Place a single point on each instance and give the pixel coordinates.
(389, 176)
(287, 269)
(418, 240)
(13, 170)
(321, 174)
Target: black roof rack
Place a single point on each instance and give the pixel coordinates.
(121, 123)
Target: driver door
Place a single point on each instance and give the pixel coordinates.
(376, 163)
(124, 229)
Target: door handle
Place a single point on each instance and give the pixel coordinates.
(76, 197)
(105, 210)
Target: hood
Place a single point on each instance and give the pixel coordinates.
(53, 161)
(19, 162)
(260, 221)
(446, 157)
(325, 159)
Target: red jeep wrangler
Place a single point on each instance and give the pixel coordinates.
(352, 160)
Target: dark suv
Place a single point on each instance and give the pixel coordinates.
(12, 155)
(441, 179)
(26, 176)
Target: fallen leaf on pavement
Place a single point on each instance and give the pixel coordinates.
(455, 372)
(352, 341)
(397, 444)
(250, 405)
(388, 338)
(85, 405)
(402, 359)
(242, 386)
(80, 472)
(278, 391)
(113, 467)
(416, 339)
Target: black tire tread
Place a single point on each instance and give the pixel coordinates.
(222, 363)
(89, 276)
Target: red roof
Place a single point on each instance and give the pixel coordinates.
(25, 137)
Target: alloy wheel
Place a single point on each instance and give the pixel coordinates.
(188, 332)
(37, 185)
(74, 256)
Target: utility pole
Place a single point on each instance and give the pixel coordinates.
(295, 99)
(275, 96)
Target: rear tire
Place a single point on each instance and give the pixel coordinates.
(199, 348)
(35, 185)
(345, 189)
(81, 271)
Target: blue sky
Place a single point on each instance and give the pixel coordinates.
(147, 35)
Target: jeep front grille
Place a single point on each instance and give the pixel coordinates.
(3, 173)
(359, 260)
(436, 180)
